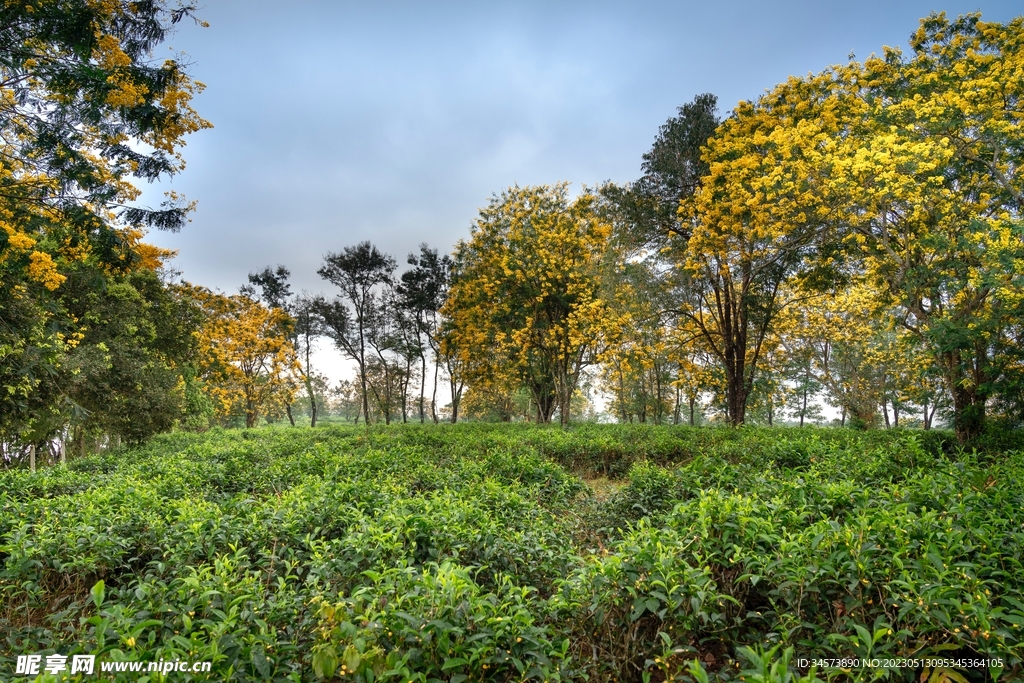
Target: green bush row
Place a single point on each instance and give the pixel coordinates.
(471, 553)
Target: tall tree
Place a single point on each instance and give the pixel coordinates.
(422, 291)
(524, 301)
(673, 170)
(927, 174)
(84, 110)
(127, 373)
(309, 326)
(360, 272)
(646, 217)
(752, 224)
(272, 288)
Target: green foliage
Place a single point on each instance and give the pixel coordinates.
(469, 553)
(86, 328)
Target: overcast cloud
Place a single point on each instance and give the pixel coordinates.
(337, 122)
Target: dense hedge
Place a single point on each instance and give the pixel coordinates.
(470, 553)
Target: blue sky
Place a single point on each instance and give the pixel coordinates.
(337, 122)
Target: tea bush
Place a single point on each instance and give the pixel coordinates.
(477, 553)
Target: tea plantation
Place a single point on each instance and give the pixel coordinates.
(479, 553)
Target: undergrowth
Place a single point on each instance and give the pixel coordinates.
(476, 553)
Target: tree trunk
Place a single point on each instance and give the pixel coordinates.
(423, 386)
(736, 401)
(968, 413)
(622, 395)
(433, 398)
(456, 395)
(657, 396)
(308, 382)
(366, 397)
(693, 402)
(288, 410)
(803, 404)
(405, 390)
(968, 399)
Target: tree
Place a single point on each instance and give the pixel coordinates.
(927, 177)
(84, 109)
(127, 373)
(673, 170)
(639, 364)
(842, 337)
(422, 291)
(271, 286)
(725, 230)
(360, 272)
(308, 328)
(275, 292)
(524, 302)
(246, 355)
(752, 223)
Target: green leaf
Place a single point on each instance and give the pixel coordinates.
(98, 592)
(450, 664)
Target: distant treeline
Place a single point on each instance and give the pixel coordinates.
(853, 237)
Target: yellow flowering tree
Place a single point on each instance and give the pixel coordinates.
(246, 358)
(751, 226)
(84, 109)
(524, 308)
(926, 180)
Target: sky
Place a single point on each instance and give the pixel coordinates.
(394, 122)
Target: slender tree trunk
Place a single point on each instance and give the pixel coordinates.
(657, 390)
(622, 394)
(643, 397)
(842, 417)
(803, 403)
(456, 390)
(423, 385)
(405, 390)
(693, 405)
(362, 371)
(288, 411)
(433, 398)
(366, 397)
(309, 385)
